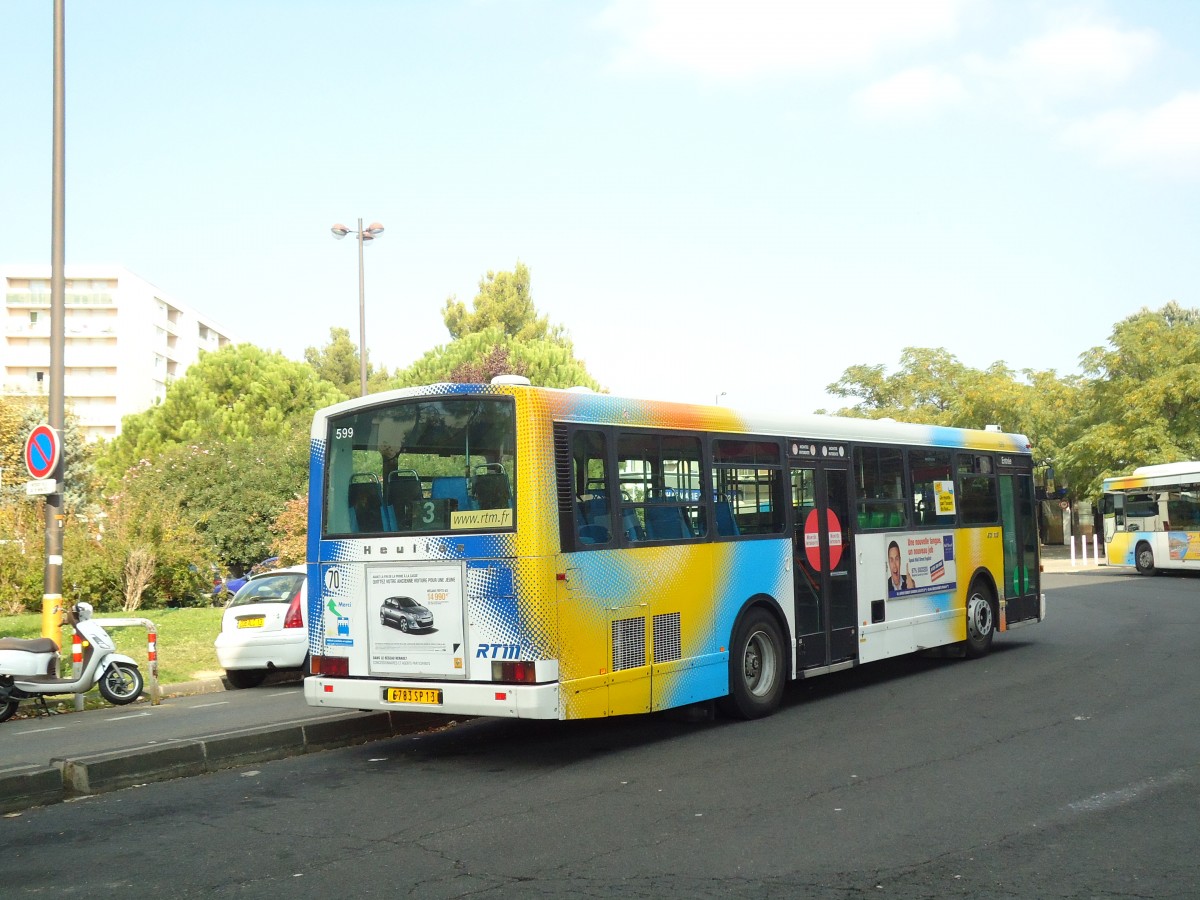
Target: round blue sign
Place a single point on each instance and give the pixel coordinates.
(42, 450)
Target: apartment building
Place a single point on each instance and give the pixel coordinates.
(125, 341)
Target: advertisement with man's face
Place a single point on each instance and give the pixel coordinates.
(920, 563)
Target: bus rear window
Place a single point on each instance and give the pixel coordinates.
(422, 466)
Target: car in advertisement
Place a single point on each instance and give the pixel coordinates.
(405, 613)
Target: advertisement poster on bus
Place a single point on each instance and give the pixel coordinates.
(415, 621)
(920, 563)
(1183, 545)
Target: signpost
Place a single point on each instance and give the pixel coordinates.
(43, 453)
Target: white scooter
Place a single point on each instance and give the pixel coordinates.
(29, 668)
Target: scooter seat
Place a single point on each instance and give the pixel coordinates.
(29, 645)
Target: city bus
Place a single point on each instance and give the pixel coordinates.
(508, 550)
(1152, 518)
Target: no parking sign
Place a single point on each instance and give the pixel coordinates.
(42, 451)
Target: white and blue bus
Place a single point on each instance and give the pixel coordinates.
(1152, 518)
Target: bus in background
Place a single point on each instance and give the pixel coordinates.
(509, 550)
(1152, 518)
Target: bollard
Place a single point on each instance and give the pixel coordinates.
(152, 655)
(76, 662)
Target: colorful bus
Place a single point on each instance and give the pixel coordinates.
(508, 550)
(1152, 518)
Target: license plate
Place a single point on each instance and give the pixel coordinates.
(255, 622)
(413, 695)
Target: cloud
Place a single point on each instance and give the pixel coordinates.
(723, 39)
(1164, 140)
(914, 93)
(1075, 60)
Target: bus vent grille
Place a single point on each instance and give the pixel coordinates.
(562, 467)
(628, 643)
(667, 642)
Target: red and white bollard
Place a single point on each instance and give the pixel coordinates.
(152, 653)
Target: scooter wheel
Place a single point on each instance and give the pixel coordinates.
(121, 684)
(7, 710)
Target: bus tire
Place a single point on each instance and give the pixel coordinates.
(756, 666)
(981, 620)
(1143, 557)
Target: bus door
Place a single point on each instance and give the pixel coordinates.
(1113, 510)
(1018, 521)
(826, 611)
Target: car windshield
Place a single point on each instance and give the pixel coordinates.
(269, 589)
(422, 466)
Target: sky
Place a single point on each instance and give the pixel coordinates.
(720, 201)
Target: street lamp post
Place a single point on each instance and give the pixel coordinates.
(363, 234)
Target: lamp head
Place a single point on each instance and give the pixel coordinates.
(375, 228)
(340, 231)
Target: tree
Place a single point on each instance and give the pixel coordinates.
(338, 363)
(137, 539)
(503, 301)
(290, 530)
(1139, 404)
(228, 492)
(18, 417)
(236, 393)
(933, 387)
(504, 334)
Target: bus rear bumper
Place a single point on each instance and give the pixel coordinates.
(515, 701)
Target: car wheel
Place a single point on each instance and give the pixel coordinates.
(245, 678)
(403, 624)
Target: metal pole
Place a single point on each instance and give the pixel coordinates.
(362, 317)
(52, 592)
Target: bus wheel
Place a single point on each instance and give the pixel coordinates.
(1144, 556)
(756, 662)
(981, 621)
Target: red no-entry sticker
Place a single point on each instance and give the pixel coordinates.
(812, 539)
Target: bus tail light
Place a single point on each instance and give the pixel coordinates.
(333, 666)
(521, 672)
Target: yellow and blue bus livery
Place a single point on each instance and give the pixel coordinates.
(517, 551)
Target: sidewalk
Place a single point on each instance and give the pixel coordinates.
(1056, 559)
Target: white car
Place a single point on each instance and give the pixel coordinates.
(263, 627)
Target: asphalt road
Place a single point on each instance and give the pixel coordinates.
(1066, 764)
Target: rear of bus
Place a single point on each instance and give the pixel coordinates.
(429, 553)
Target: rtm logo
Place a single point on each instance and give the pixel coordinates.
(498, 651)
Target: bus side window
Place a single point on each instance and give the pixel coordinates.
(590, 486)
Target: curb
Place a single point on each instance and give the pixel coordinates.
(69, 777)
